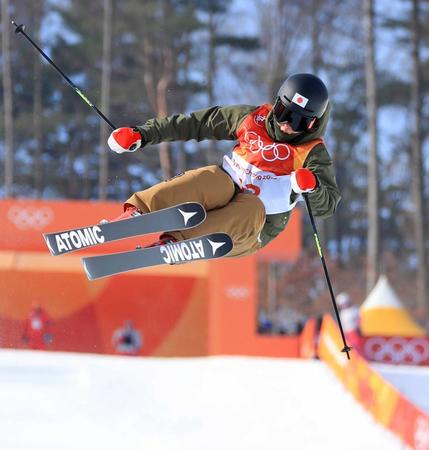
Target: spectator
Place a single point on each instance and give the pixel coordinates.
(350, 319)
(37, 329)
(127, 340)
(265, 324)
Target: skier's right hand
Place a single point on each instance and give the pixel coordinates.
(125, 139)
(303, 181)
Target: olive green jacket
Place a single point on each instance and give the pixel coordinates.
(221, 123)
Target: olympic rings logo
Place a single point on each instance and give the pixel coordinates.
(397, 350)
(269, 152)
(30, 217)
(237, 292)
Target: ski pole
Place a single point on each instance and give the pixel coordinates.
(346, 348)
(20, 29)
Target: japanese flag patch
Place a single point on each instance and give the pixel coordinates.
(300, 100)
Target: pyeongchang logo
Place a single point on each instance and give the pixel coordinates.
(259, 120)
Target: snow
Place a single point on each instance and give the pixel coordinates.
(60, 401)
(412, 381)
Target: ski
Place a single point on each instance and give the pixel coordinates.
(200, 248)
(178, 217)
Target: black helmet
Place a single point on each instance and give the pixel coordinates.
(302, 98)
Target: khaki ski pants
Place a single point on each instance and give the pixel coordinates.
(241, 215)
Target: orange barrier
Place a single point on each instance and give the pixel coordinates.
(388, 406)
(307, 340)
(186, 310)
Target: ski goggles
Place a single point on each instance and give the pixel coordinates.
(284, 114)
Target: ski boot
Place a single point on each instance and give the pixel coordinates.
(164, 239)
(130, 211)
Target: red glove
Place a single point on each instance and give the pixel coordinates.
(125, 139)
(302, 181)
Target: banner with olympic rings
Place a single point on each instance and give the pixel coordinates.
(397, 350)
(386, 403)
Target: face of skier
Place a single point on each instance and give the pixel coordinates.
(289, 121)
(287, 129)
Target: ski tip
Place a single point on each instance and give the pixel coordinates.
(221, 244)
(49, 245)
(193, 213)
(85, 268)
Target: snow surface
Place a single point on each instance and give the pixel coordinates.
(60, 401)
(412, 381)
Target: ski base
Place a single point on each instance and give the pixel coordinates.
(211, 246)
(178, 217)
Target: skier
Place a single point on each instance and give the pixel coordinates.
(37, 327)
(127, 340)
(280, 154)
(350, 318)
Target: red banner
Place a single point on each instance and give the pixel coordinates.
(185, 310)
(24, 221)
(397, 350)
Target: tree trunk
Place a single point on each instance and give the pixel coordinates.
(211, 145)
(106, 73)
(7, 100)
(161, 96)
(37, 108)
(157, 90)
(162, 111)
(373, 240)
(417, 161)
(316, 50)
(70, 175)
(316, 63)
(181, 158)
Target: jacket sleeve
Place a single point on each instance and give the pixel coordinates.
(325, 198)
(217, 123)
(274, 225)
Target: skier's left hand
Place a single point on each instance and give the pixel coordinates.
(303, 181)
(125, 139)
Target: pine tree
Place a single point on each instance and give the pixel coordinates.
(106, 74)
(417, 165)
(373, 243)
(7, 101)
